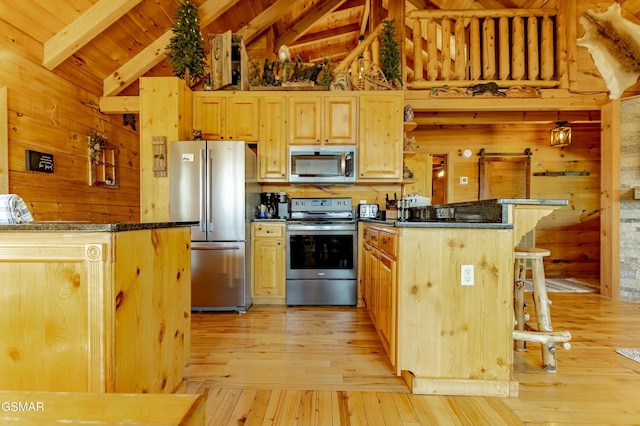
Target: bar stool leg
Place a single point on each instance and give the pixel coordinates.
(542, 304)
(518, 300)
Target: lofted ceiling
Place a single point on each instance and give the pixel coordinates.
(106, 45)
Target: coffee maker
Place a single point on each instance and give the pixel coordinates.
(283, 205)
(268, 200)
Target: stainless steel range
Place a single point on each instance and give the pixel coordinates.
(322, 252)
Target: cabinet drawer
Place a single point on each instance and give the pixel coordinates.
(388, 243)
(275, 230)
(372, 236)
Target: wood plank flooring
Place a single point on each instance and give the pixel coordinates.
(326, 366)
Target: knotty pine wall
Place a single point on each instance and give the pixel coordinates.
(51, 113)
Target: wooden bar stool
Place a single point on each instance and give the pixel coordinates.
(545, 334)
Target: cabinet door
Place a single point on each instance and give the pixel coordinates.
(209, 115)
(380, 137)
(268, 267)
(366, 274)
(374, 286)
(340, 123)
(387, 303)
(244, 118)
(272, 147)
(305, 120)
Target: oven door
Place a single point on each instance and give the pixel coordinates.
(321, 251)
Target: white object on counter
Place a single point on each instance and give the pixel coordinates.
(417, 201)
(13, 210)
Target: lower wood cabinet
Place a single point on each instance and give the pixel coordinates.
(268, 265)
(379, 278)
(95, 311)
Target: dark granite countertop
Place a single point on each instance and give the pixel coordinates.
(89, 227)
(487, 214)
(524, 201)
(439, 224)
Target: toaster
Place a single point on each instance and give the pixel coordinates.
(367, 211)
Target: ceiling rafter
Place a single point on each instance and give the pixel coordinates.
(84, 29)
(155, 52)
(265, 19)
(303, 25)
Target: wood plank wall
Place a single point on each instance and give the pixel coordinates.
(47, 112)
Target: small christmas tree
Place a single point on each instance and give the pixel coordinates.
(390, 53)
(186, 50)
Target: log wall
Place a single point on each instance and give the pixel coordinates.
(52, 113)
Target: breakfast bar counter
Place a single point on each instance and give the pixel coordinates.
(94, 307)
(440, 293)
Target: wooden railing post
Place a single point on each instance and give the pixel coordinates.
(432, 50)
(418, 73)
(533, 49)
(504, 42)
(489, 48)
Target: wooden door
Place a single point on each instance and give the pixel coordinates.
(305, 120)
(272, 147)
(387, 303)
(209, 115)
(504, 177)
(244, 118)
(380, 137)
(340, 123)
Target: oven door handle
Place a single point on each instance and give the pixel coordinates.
(312, 228)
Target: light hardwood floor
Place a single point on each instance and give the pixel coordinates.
(326, 366)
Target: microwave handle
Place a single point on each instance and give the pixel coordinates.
(343, 165)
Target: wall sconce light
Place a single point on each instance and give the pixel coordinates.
(561, 134)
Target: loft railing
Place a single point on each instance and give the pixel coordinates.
(511, 47)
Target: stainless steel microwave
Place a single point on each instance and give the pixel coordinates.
(322, 164)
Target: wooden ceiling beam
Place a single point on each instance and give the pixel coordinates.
(83, 29)
(303, 25)
(455, 118)
(153, 54)
(365, 18)
(265, 19)
(324, 36)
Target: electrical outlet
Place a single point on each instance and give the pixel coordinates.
(466, 275)
(464, 180)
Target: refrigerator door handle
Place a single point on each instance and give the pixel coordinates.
(203, 190)
(216, 248)
(209, 197)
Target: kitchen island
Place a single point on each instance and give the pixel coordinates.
(94, 307)
(440, 293)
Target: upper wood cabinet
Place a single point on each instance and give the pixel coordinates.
(210, 115)
(380, 136)
(322, 119)
(272, 145)
(232, 116)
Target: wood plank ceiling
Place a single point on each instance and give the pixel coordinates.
(106, 45)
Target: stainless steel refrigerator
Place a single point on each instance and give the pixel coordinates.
(214, 183)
